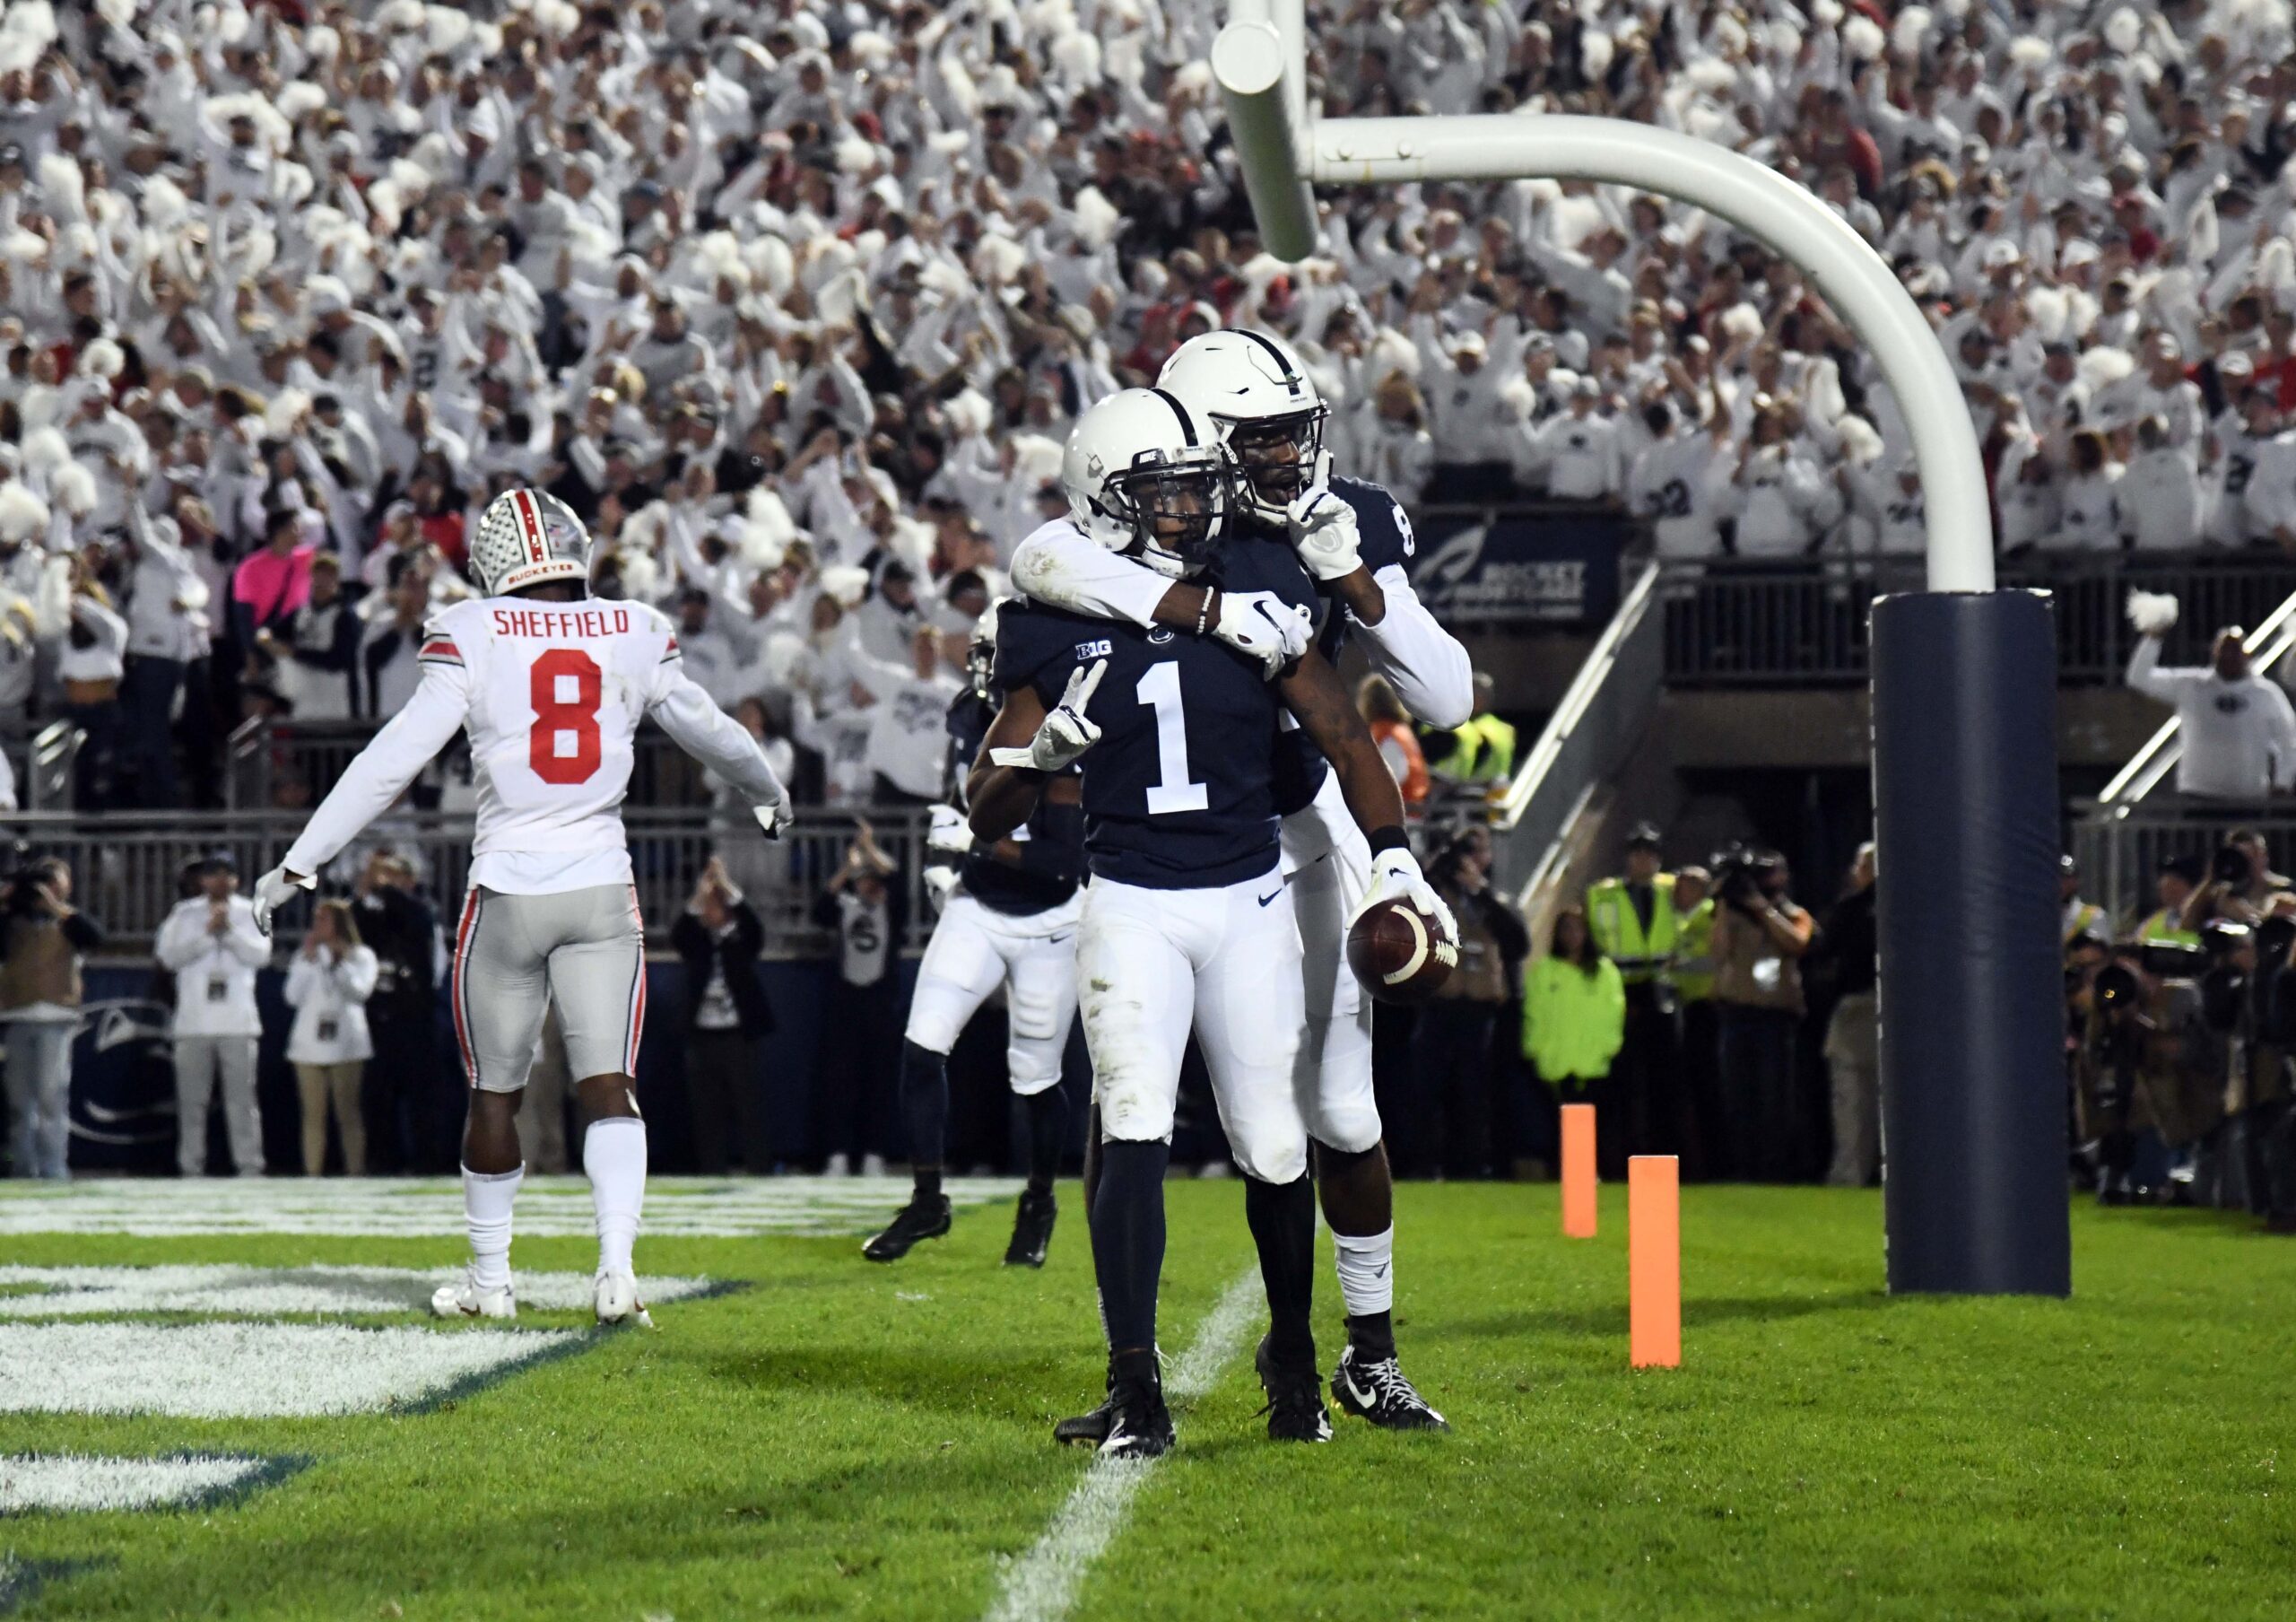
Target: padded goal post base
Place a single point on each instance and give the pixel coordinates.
(1966, 813)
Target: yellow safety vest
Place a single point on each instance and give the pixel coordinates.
(1483, 751)
(1693, 966)
(1618, 927)
(2166, 929)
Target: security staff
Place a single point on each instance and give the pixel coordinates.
(2165, 927)
(1636, 927)
(2079, 917)
(1482, 747)
(1692, 975)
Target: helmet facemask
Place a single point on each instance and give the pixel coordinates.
(1175, 506)
(1278, 458)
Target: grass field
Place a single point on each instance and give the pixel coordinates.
(838, 1439)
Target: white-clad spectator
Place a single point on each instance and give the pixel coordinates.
(1476, 427)
(712, 658)
(1577, 455)
(2250, 445)
(1782, 502)
(2161, 389)
(210, 944)
(316, 652)
(909, 732)
(2027, 496)
(1680, 482)
(2089, 497)
(1888, 515)
(333, 974)
(2160, 493)
(89, 668)
(2237, 729)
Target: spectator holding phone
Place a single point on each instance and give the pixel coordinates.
(718, 936)
(858, 1068)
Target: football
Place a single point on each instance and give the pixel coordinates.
(1398, 952)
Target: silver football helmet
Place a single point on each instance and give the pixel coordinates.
(525, 538)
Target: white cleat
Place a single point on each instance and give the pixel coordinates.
(618, 1302)
(466, 1300)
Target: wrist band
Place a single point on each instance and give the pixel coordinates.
(1204, 608)
(1390, 837)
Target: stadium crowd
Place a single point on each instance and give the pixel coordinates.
(792, 303)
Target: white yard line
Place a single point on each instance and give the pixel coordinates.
(269, 1292)
(1042, 1585)
(74, 1483)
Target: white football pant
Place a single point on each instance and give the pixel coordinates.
(1152, 964)
(974, 950)
(514, 954)
(1328, 864)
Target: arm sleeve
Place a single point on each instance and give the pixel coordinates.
(356, 973)
(2281, 717)
(82, 931)
(244, 941)
(301, 973)
(713, 737)
(1056, 851)
(1066, 570)
(381, 771)
(1424, 663)
(1611, 991)
(2147, 677)
(175, 946)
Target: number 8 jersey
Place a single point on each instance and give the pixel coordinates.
(551, 695)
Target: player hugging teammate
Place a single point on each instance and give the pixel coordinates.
(1179, 653)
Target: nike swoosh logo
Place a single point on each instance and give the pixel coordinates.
(1058, 938)
(1357, 1391)
(1382, 1273)
(1266, 899)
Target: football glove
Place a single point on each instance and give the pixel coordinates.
(1396, 877)
(950, 835)
(1066, 733)
(1325, 532)
(940, 884)
(275, 890)
(1261, 626)
(773, 817)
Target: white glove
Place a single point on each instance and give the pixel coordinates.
(1396, 877)
(1261, 626)
(940, 884)
(1066, 733)
(949, 835)
(273, 890)
(1324, 531)
(773, 818)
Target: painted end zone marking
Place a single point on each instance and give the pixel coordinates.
(269, 1292)
(74, 1483)
(234, 1371)
(1041, 1586)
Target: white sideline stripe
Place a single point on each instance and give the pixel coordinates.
(247, 1371)
(76, 1484)
(433, 1207)
(1041, 1586)
(277, 1292)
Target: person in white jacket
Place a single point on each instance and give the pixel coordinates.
(2237, 729)
(327, 986)
(1679, 481)
(2160, 493)
(210, 944)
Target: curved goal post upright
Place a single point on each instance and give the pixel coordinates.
(1964, 695)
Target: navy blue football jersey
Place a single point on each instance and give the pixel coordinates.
(1052, 840)
(1180, 792)
(1385, 537)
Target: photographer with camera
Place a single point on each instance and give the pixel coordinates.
(1452, 1040)
(2240, 885)
(1759, 938)
(44, 939)
(2261, 1156)
(2151, 1066)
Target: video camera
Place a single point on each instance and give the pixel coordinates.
(2229, 866)
(1738, 875)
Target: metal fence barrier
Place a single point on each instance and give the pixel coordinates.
(1805, 623)
(2121, 856)
(128, 871)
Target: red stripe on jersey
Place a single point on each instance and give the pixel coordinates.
(441, 650)
(522, 503)
(457, 988)
(637, 991)
(671, 651)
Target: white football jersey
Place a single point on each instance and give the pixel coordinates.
(551, 695)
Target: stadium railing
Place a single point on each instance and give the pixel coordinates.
(45, 764)
(1731, 623)
(128, 870)
(2119, 856)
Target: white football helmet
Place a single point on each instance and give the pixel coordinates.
(1267, 410)
(980, 651)
(525, 538)
(1147, 478)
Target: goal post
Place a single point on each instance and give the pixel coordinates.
(1963, 674)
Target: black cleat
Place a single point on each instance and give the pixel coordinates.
(1086, 1430)
(1377, 1392)
(923, 1217)
(1140, 1427)
(1295, 1406)
(1032, 1229)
